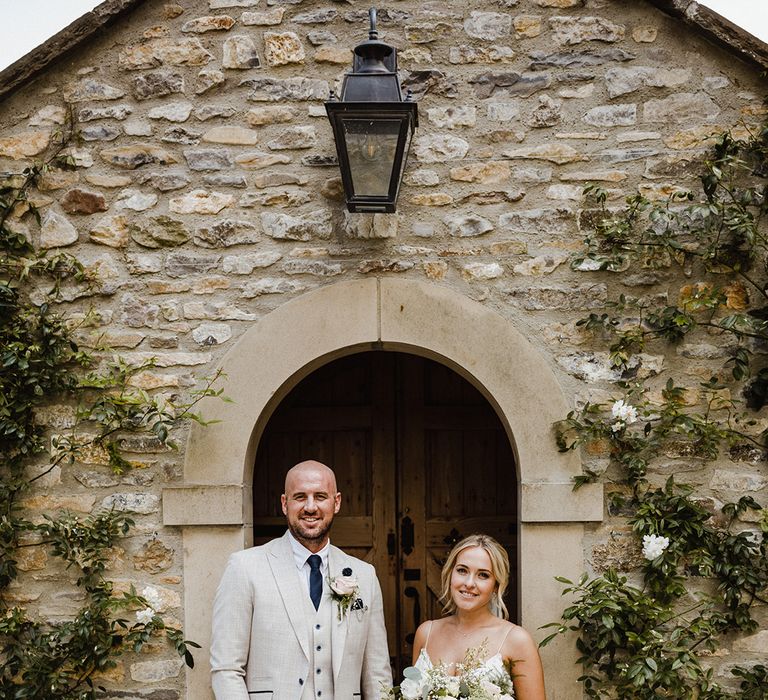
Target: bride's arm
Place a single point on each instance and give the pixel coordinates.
(527, 673)
(420, 639)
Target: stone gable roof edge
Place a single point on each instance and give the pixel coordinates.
(718, 29)
(83, 28)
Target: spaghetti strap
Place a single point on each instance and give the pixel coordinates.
(429, 631)
(498, 651)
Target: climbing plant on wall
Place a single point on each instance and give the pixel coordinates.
(42, 362)
(704, 570)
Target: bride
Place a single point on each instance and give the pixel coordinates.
(474, 579)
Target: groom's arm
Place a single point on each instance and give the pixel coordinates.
(376, 672)
(231, 633)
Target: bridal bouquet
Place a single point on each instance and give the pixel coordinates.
(474, 680)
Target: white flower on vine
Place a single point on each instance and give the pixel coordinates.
(654, 546)
(145, 616)
(621, 411)
(152, 596)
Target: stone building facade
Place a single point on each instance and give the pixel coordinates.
(207, 200)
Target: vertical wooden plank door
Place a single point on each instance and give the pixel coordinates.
(421, 460)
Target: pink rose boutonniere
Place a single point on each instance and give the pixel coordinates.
(344, 590)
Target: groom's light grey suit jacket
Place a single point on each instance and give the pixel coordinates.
(261, 635)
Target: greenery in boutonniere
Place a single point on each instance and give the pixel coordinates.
(705, 568)
(344, 591)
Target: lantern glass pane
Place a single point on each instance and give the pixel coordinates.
(371, 149)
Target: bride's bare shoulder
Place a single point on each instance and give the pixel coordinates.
(518, 639)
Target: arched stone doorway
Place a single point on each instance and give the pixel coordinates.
(214, 506)
(421, 459)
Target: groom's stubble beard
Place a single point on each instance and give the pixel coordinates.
(307, 537)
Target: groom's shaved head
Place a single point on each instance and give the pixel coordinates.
(301, 469)
(309, 503)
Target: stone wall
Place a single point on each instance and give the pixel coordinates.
(207, 195)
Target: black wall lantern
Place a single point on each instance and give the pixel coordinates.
(372, 126)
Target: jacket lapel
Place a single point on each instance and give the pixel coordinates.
(336, 562)
(286, 575)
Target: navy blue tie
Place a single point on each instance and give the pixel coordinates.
(315, 580)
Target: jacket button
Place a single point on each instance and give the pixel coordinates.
(301, 681)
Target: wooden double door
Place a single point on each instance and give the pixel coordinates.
(421, 461)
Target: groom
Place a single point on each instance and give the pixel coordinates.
(297, 618)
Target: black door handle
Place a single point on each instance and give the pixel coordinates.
(391, 544)
(407, 535)
(413, 592)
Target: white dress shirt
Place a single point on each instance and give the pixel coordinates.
(301, 554)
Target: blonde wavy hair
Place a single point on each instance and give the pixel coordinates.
(499, 569)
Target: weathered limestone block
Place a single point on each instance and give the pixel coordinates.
(435, 269)
(271, 285)
(209, 78)
(576, 30)
(157, 84)
(275, 178)
(266, 18)
(208, 334)
(510, 82)
(739, 482)
(172, 111)
(420, 82)
(90, 90)
(259, 116)
(436, 199)
(275, 198)
(453, 117)
(77, 201)
(200, 202)
(317, 268)
(159, 232)
(552, 221)
(472, 54)
(153, 671)
(280, 49)
(256, 160)
(57, 180)
(154, 556)
(246, 264)
(438, 148)
(99, 132)
(137, 127)
(467, 225)
(141, 264)
(528, 26)
(621, 551)
(481, 271)
(208, 159)
(226, 180)
(135, 200)
(578, 59)
(547, 113)
(492, 197)
(234, 135)
(165, 181)
(681, 107)
(489, 26)
(370, 225)
(181, 264)
(644, 35)
(316, 224)
(111, 231)
(210, 111)
(384, 265)
(275, 90)
(540, 265)
(502, 111)
(153, 53)
(554, 153)
(612, 115)
(50, 115)
(225, 233)
(337, 55)
(56, 231)
(24, 145)
(294, 137)
(137, 313)
(621, 81)
(486, 173)
(240, 53)
(131, 157)
(211, 23)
